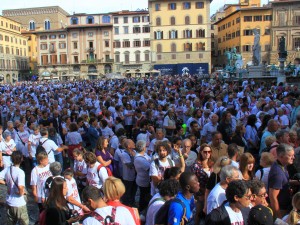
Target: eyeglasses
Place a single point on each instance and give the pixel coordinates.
(206, 152)
(248, 197)
(187, 146)
(264, 195)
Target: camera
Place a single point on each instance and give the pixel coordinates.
(74, 214)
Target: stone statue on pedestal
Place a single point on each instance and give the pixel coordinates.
(256, 49)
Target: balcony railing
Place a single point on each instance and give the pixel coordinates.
(90, 49)
(109, 60)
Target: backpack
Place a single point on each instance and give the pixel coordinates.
(40, 148)
(161, 217)
(107, 169)
(268, 149)
(109, 220)
(156, 161)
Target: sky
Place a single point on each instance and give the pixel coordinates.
(95, 6)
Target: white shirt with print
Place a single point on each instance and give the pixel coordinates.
(96, 178)
(7, 148)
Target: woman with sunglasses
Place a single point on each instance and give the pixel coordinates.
(202, 169)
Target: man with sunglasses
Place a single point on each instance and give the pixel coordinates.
(259, 193)
(234, 210)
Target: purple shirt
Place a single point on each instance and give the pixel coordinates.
(105, 156)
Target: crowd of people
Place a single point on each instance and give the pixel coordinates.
(156, 150)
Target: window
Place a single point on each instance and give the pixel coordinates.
(116, 29)
(127, 59)
(11, 40)
(126, 30)
(136, 30)
(200, 46)
(146, 43)
(74, 20)
(145, 19)
(199, 5)
(106, 43)
(238, 20)
(247, 48)
(75, 45)
(147, 57)
(1, 37)
(76, 61)
(117, 44)
(43, 46)
(90, 34)
(187, 33)
(267, 17)
(188, 56)
(17, 51)
(158, 21)
(267, 48)
(296, 42)
(229, 24)
(187, 20)
(157, 7)
(146, 29)
(52, 36)
(136, 19)
(74, 35)
(238, 33)
(126, 44)
(233, 35)
(105, 19)
(7, 38)
(125, 19)
(297, 20)
(186, 5)
(47, 25)
(200, 33)
(90, 20)
(43, 37)
(200, 19)
(117, 58)
(29, 49)
(172, 20)
(258, 18)
(31, 25)
(158, 35)
(7, 50)
(158, 48)
(173, 47)
(282, 18)
(267, 31)
(62, 36)
(173, 34)
(137, 57)
(247, 18)
(106, 33)
(188, 47)
(172, 6)
(248, 32)
(116, 20)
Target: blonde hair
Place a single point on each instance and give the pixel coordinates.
(220, 163)
(270, 140)
(294, 217)
(113, 188)
(267, 158)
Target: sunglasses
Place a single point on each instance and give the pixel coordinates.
(206, 152)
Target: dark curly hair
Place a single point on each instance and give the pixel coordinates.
(236, 188)
(169, 187)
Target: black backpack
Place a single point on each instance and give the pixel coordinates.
(161, 217)
(40, 148)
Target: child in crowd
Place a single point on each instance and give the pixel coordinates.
(39, 175)
(33, 142)
(80, 169)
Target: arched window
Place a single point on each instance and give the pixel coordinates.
(158, 35)
(74, 20)
(173, 34)
(105, 19)
(47, 25)
(187, 20)
(31, 25)
(172, 20)
(187, 33)
(158, 48)
(173, 47)
(200, 33)
(90, 20)
(200, 19)
(158, 21)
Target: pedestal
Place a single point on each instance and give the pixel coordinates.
(256, 71)
(281, 79)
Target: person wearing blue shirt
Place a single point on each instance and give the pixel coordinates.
(189, 185)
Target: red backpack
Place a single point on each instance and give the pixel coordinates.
(109, 220)
(107, 169)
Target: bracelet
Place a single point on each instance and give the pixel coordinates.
(180, 156)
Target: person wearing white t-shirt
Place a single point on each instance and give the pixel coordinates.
(101, 211)
(49, 145)
(96, 173)
(217, 195)
(7, 147)
(159, 137)
(80, 169)
(39, 175)
(14, 178)
(21, 140)
(33, 142)
(234, 211)
(167, 190)
(282, 119)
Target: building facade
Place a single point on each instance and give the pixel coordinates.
(286, 23)
(131, 42)
(180, 36)
(83, 49)
(14, 61)
(37, 19)
(236, 30)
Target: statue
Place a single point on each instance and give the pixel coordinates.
(256, 48)
(282, 52)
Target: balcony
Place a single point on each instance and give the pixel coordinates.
(109, 60)
(89, 61)
(90, 50)
(53, 50)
